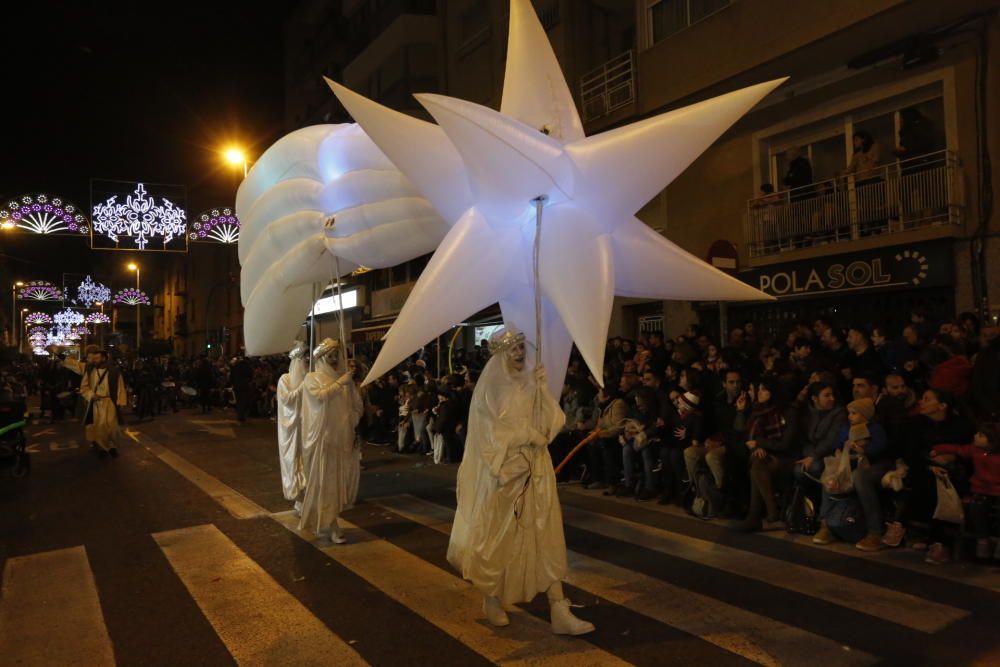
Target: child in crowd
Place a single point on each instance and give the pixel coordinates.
(984, 453)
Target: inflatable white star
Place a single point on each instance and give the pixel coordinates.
(483, 169)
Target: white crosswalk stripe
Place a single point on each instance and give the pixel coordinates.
(454, 606)
(754, 637)
(50, 612)
(899, 607)
(259, 621)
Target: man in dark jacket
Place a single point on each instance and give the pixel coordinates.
(445, 423)
(241, 378)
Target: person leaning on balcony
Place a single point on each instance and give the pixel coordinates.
(916, 138)
(799, 174)
(866, 157)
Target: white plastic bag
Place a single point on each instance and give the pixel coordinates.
(949, 505)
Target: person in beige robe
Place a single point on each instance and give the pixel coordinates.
(507, 538)
(103, 389)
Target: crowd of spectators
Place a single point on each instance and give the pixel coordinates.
(844, 433)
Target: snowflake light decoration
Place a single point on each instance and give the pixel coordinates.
(139, 218)
(89, 292)
(97, 318)
(43, 214)
(68, 318)
(40, 290)
(55, 337)
(218, 224)
(131, 297)
(38, 318)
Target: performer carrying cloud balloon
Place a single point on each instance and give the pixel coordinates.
(290, 424)
(507, 538)
(333, 408)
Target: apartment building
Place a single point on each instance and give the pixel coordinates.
(908, 225)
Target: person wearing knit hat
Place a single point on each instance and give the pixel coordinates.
(865, 407)
(865, 438)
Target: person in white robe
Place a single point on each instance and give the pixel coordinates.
(289, 395)
(333, 408)
(103, 390)
(507, 538)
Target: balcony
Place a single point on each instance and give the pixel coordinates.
(608, 87)
(911, 194)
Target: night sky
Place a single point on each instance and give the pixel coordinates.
(134, 91)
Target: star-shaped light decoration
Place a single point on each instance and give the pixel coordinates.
(483, 169)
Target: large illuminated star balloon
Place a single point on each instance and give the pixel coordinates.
(320, 197)
(482, 169)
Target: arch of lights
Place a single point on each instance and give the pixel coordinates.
(80, 330)
(97, 318)
(37, 318)
(89, 292)
(43, 214)
(218, 224)
(39, 290)
(139, 218)
(130, 296)
(40, 351)
(68, 318)
(35, 332)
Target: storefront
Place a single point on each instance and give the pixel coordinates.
(880, 286)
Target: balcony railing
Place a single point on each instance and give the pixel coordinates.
(608, 87)
(894, 198)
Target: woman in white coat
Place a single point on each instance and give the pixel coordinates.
(333, 408)
(507, 538)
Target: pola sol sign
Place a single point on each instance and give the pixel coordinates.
(897, 267)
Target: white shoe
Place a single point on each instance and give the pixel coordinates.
(565, 623)
(494, 612)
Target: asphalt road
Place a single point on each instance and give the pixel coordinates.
(183, 552)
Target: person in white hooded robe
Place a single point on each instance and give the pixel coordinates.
(333, 408)
(507, 538)
(289, 395)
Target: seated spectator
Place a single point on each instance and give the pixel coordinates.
(638, 440)
(822, 422)
(725, 452)
(984, 452)
(685, 431)
(863, 359)
(868, 441)
(771, 439)
(604, 453)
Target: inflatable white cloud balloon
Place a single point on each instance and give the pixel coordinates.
(321, 192)
(592, 245)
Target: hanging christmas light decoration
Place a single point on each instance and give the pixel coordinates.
(97, 318)
(217, 224)
(130, 296)
(37, 318)
(39, 290)
(80, 330)
(72, 336)
(67, 318)
(139, 218)
(35, 332)
(39, 351)
(42, 214)
(55, 337)
(89, 292)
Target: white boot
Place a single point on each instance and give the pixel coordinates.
(494, 612)
(337, 534)
(565, 623)
(297, 508)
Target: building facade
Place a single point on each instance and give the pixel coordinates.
(908, 225)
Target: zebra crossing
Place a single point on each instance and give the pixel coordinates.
(657, 596)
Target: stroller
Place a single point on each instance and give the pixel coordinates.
(13, 444)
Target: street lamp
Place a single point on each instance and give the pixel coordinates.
(132, 266)
(20, 331)
(236, 157)
(13, 311)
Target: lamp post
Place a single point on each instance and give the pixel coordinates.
(20, 331)
(132, 266)
(236, 157)
(13, 313)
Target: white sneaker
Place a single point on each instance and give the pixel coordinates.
(494, 612)
(565, 623)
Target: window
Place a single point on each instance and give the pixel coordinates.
(666, 17)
